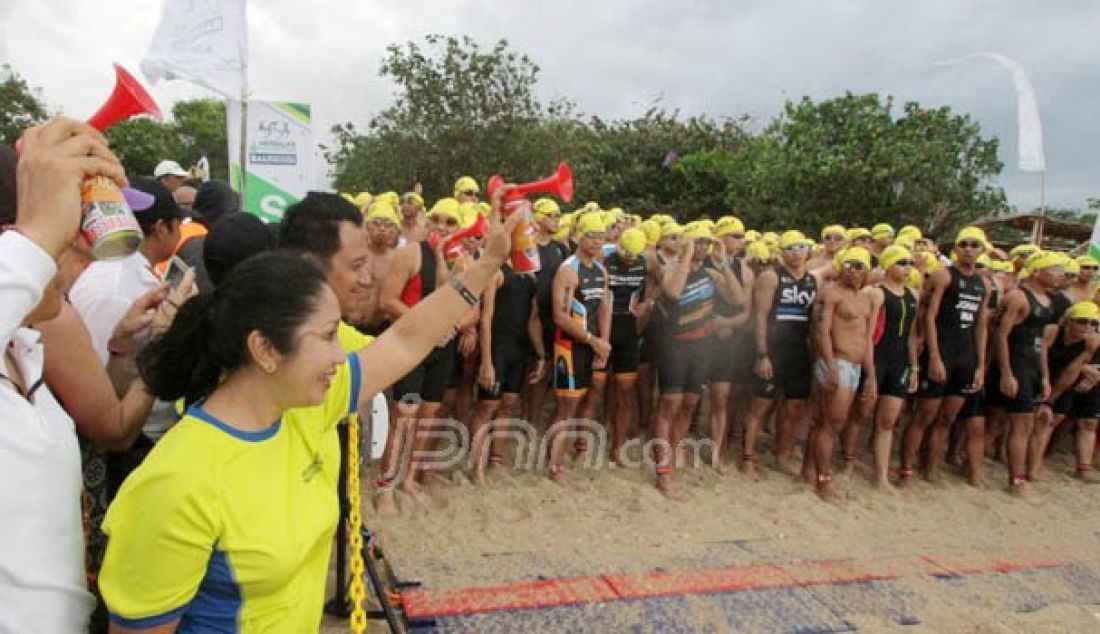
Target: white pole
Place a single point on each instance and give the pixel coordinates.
(243, 149)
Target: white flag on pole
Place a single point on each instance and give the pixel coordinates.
(1029, 136)
(5, 10)
(204, 42)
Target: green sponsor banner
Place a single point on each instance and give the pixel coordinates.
(262, 198)
(278, 153)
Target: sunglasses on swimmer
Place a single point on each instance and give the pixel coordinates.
(1091, 323)
(470, 192)
(854, 266)
(969, 244)
(903, 263)
(446, 220)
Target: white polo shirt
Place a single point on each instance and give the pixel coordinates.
(106, 290)
(42, 584)
(102, 295)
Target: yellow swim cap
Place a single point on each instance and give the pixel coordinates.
(792, 238)
(882, 230)
(362, 200)
(727, 225)
(632, 241)
(916, 278)
(856, 254)
(971, 233)
(758, 251)
(591, 222)
(697, 231)
(856, 233)
(1022, 251)
(894, 254)
(671, 228)
(1087, 261)
(652, 231)
(752, 235)
(565, 225)
(1084, 310)
(413, 197)
(545, 207)
(465, 184)
(382, 210)
(1044, 260)
(911, 231)
(446, 207)
(834, 230)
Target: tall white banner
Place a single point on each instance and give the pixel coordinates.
(1029, 129)
(5, 10)
(279, 153)
(204, 42)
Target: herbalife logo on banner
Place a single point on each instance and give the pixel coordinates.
(279, 155)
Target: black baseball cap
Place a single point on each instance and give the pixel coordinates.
(164, 206)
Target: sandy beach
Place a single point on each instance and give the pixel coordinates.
(522, 527)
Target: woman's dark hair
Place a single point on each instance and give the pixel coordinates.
(273, 293)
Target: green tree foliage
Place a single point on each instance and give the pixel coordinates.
(197, 129)
(201, 126)
(141, 143)
(458, 110)
(631, 163)
(851, 160)
(20, 106)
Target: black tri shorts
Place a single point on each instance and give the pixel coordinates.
(510, 367)
(625, 346)
(1025, 367)
(961, 363)
(428, 381)
(792, 372)
(683, 366)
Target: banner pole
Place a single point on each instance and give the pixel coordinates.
(243, 149)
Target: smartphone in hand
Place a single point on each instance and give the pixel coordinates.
(177, 268)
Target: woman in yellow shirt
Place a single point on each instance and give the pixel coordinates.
(228, 524)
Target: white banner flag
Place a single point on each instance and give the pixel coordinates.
(204, 42)
(1029, 134)
(5, 10)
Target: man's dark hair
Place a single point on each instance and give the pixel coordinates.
(312, 225)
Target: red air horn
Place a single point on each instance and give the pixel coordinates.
(452, 246)
(560, 185)
(525, 253)
(128, 99)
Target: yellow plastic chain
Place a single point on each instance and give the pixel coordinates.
(357, 592)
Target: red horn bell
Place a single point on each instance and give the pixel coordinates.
(560, 184)
(128, 99)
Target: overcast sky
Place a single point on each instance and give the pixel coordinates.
(614, 57)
